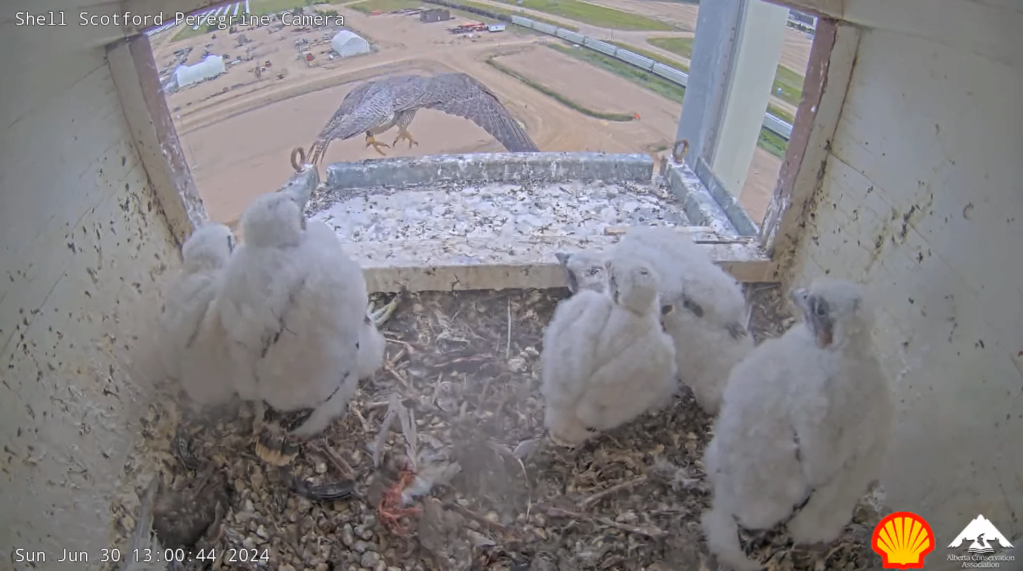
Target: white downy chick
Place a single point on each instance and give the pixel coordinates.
(294, 304)
(567, 361)
(606, 357)
(584, 270)
(708, 326)
(803, 429)
(193, 349)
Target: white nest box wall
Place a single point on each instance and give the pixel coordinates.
(922, 199)
(85, 249)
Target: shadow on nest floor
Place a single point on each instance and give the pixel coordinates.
(464, 367)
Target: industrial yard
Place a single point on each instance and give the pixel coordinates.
(280, 83)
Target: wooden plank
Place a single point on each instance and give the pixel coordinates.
(487, 263)
(138, 86)
(827, 81)
(692, 231)
(698, 234)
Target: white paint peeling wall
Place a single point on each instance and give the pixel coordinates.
(923, 200)
(83, 247)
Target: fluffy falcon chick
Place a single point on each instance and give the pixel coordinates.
(606, 358)
(708, 327)
(804, 426)
(584, 270)
(293, 303)
(193, 347)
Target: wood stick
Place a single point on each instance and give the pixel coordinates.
(653, 532)
(592, 500)
(334, 458)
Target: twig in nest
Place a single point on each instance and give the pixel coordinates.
(362, 420)
(653, 532)
(334, 458)
(390, 370)
(385, 426)
(592, 500)
(393, 361)
(411, 348)
(495, 525)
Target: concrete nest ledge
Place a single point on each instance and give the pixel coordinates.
(495, 220)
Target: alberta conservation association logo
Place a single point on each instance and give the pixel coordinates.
(979, 553)
(903, 540)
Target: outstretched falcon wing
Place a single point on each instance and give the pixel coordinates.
(461, 95)
(375, 103)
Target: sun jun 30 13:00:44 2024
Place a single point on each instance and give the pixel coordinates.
(143, 555)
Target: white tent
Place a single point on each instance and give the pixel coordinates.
(212, 66)
(346, 44)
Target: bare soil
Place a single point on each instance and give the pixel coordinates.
(600, 90)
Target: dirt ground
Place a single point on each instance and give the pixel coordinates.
(601, 91)
(237, 131)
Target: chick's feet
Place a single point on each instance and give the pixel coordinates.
(274, 444)
(381, 315)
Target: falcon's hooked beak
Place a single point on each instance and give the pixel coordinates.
(817, 315)
(573, 282)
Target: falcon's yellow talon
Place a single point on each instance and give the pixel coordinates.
(403, 134)
(376, 144)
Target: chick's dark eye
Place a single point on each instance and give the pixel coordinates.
(594, 271)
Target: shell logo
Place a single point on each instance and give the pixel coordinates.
(903, 540)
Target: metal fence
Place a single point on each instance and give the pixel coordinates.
(777, 126)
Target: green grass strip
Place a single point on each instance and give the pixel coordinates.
(592, 14)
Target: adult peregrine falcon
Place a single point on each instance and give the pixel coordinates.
(376, 106)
